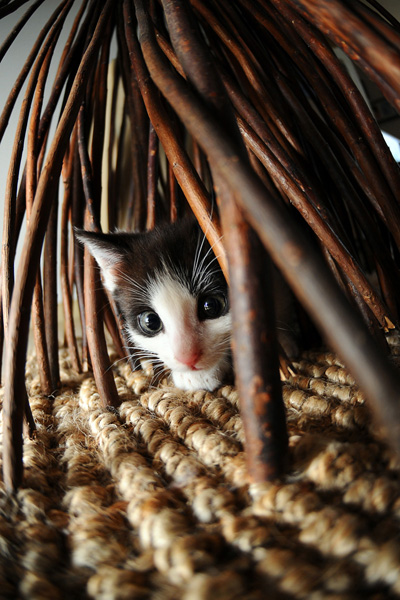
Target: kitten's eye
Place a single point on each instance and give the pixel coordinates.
(150, 323)
(211, 307)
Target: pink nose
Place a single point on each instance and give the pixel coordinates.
(190, 358)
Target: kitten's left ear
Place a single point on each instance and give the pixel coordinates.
(107, 254)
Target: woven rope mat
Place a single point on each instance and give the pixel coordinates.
(152, 501)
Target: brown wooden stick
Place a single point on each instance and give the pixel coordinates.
(152, 178)
(136, 213)
(361, 42)
(320, 226)
(328, 98)
(18, 27)
(66, 287)
(254, 336)
(254, 84)
(254, 345)
(45, 319)
(373, 150)
(12, 97)
(50, 294)
(112, 145)
(385, 13)
(185, 173)
(93, 306)
(13, 217)
(35, 88)
(14, 391)
(76, 250)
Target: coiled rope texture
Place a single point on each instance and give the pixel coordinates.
(152, 500)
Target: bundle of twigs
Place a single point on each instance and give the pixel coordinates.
(244, 98)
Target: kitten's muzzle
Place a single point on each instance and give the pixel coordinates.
(189, 359)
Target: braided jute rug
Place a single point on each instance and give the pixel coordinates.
(152, 500)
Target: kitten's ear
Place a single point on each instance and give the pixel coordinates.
(107, 254)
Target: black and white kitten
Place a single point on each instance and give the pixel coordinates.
(173, 298)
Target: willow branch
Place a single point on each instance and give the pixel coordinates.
(306, 273)
(184, 171)
(14, 389)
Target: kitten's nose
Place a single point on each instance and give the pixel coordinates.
(190, 359)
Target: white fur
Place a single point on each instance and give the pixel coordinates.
(183, 334)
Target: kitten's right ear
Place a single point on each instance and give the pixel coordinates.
(108, 256)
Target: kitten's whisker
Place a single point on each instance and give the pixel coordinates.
(204, 275)
(207, 277)
(139, 291)
(197, 271)
(129, 348)
(130, 280)
(124, 358)
(200, 243)
(158, 376)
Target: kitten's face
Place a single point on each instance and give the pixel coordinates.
(173, 298)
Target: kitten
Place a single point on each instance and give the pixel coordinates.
(173, 298)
